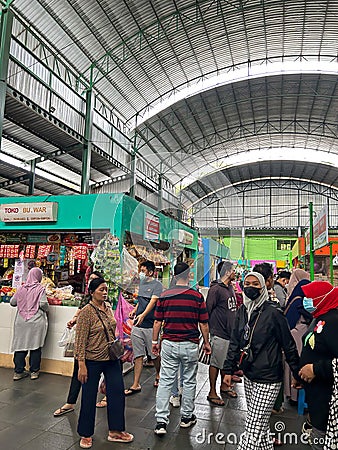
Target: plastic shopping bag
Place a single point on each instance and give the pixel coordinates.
(70, 344)
(64, 338)
(124, 326)
(102, 385)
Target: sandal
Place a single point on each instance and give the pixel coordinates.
(229, 393)
(102, 403)
(86, 442)
(61, 411)
(122, 436)
(217, 401)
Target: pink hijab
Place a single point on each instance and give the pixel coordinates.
(296, 276)
(28, 296)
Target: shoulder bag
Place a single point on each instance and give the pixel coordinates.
(115, 348)
(246, 356)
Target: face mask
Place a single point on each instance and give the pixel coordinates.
(142, 276)
(308, 305)
(252, 292)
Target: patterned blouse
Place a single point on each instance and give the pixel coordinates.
(90, 341)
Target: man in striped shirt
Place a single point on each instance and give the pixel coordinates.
(182, 311)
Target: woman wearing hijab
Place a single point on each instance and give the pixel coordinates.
(30, 325)
(260, 335)
(320, 348)
(299, 320)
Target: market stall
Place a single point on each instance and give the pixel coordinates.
(65, 235)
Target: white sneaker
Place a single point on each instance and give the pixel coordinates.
(175, 401)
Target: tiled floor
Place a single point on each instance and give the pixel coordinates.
(27, 422)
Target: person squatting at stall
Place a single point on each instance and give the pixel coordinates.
(182, 311)
(30, 325)
(91, 350)
(320, 347)
(259, 336)
(75, 385)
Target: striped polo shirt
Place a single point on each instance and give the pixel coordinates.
(181, 308)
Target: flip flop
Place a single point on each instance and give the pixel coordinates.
(131, 391)
(123, 437)
(86, 442)
(236, 379)
(101, 404)
(61, 411)
(229, 393)
(215, 401)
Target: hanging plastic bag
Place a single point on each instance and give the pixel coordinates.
(70, 344)
(124, 326)
(64, 337)
(102, 385)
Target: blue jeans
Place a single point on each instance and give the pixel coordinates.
(112, 371)
(172, 355)
(174, 390)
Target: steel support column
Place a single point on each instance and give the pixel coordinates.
(32, 178)
(87, 147)
(160, 192)
(6, 22)
(133, 166)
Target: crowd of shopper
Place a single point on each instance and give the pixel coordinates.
(280, 335)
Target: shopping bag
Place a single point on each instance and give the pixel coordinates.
(124, 326)
(202, 357)
(102, 385)
(64, 337)
(70, 344)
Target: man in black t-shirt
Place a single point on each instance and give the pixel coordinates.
(141, 335)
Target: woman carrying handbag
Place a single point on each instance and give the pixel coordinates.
(95, 326)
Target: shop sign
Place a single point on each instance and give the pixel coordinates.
(320, 229)
(29, 212)
(182, 237)
(151, 227)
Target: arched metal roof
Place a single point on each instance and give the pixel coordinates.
(206, 80)
(140, 51)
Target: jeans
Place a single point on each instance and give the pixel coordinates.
(34, 360)
(112, 371)
(172, 355)
(174, 390)
(75, 385)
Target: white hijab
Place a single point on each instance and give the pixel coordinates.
(251, 305)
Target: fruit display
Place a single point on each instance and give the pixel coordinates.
(6, 292)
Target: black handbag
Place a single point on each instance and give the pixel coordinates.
(246, 357)
(115, 348)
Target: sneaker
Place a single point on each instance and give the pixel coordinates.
(34, 375)
(161, 428)
(18, 376)
(175, 401)
(187, 422)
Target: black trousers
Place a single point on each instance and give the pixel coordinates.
(112, 371)
(75, 385)
(34, 360)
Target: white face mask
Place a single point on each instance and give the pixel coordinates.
(142, 276)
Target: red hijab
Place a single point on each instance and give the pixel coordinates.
(28, 296)
(324, 295)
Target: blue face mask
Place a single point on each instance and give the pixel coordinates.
(308, 305)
